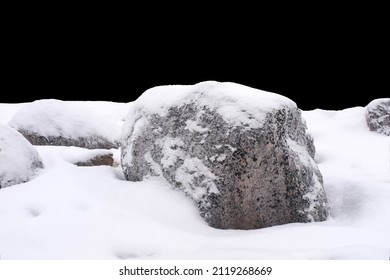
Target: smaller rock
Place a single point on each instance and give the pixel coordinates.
(378, 115)
(19, 160)
(89, 157)
(107, 159)
(67, 123)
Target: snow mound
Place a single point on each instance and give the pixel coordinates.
(19, 160)
(71, 123)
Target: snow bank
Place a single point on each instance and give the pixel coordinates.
(19, 160)
(77, 123)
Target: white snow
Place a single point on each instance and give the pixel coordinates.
(190, 173)
(8, 110)
(171, 150)
(51, 117)
(221, 157)
(193, 126)
(70, 212)
(374, 103)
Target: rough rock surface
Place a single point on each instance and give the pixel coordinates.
(65, 123)
(19, 160)
(242, 155)
(89, 142)
(378, 115)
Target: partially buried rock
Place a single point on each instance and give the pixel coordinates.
(65, 123)
(89, 157)
(378, 115)
(242, 155)
(19, 160)
(104, 159)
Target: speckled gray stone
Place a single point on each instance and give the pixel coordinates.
(238, 176)
(89, 142)
(378, 116)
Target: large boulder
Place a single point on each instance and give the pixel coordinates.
(19, 160)
(378, 115)
(92, 125)
(242, 155)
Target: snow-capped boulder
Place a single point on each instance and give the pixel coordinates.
(241, 154)
(378, 115)
(69, 123)
(19, 160)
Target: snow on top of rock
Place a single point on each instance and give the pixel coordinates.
(236, 103)
(18, 158)
(51, 117)
(374, 103)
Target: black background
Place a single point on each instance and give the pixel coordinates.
(318, 63)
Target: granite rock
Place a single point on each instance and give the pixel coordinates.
(378, 115)
(242, 155)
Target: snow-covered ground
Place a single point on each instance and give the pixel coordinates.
(70, 212)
